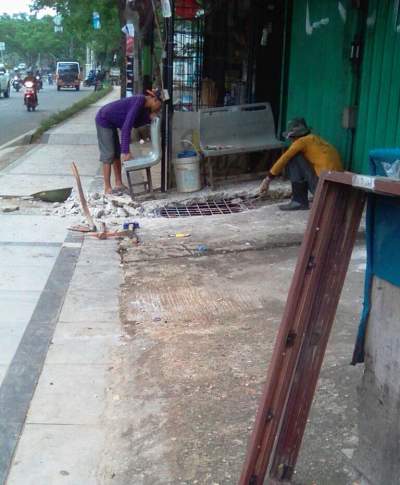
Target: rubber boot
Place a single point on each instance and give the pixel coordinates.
(299, 200)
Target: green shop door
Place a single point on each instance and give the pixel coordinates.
(322, 74)
(378, 121)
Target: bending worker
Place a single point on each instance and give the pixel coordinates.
(306, 158)
(124, 114)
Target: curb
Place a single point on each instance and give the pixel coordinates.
(20, 140)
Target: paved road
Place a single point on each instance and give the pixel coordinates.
(14, 118)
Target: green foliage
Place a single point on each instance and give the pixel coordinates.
(29, 39)
(26, 37)
(77, 24)
(61, 116)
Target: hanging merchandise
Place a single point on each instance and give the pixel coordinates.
(96, 20)
(129, 32)
(166, 8)
(186, 9)
(129, 45)
(129, 29)
(130, 75)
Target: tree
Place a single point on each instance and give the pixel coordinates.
(28, 38)
(77, 26)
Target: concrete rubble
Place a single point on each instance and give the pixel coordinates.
(114, 210)
(110, 209)
(10, 208)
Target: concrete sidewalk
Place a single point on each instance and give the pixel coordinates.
(53, 344)
(143, 364)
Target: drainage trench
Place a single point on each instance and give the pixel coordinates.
(209, 208)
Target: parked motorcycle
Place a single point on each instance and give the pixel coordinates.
(17, 83)
(30, 97)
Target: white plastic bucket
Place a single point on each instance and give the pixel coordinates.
(187, 172)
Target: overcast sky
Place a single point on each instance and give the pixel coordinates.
(18, 6)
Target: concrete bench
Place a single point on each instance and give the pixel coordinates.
(238, 129)
(146, 161)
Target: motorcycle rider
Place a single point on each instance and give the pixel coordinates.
(39, 82)
(31, 78)
(17, 81)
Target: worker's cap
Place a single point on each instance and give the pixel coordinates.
(296, 127)
(155, 93)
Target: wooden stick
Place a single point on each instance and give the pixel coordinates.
(82, 198)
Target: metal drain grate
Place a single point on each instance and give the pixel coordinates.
(210, 208)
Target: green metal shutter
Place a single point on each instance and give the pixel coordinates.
(320, 83)
(378, 121)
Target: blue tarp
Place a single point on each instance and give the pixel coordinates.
(382, 239)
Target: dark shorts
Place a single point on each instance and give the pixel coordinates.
(109, 146)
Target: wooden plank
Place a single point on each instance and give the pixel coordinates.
(305, 298)
(349, 206)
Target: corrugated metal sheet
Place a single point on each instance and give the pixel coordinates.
(320, 82)
(378, 123)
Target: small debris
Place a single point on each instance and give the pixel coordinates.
(122, 212)
(11, 208)
(201, 248)
(64, 472)
(179, 235)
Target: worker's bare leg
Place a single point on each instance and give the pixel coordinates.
(118, 174)
(107, 178)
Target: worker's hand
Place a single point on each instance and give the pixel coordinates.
(264, 186)
(126, 156)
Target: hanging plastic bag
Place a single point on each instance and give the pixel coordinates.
(392, 169)
(166, 8)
